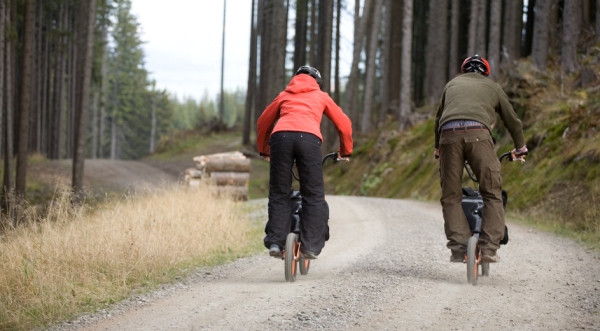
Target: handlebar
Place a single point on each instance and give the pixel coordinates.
(330, 156)
(502, 157)
(508, 156)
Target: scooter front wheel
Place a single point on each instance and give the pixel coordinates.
(472, 260)
(291, 246)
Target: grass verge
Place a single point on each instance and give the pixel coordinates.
(74, 260)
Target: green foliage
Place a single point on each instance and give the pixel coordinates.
(373, 179)
(190, 113)
(134, 105)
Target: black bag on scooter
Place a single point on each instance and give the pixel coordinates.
(472, 204)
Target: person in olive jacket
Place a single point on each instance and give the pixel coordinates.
(289, 130)
(466, 114)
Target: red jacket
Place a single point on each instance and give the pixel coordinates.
(300, 107)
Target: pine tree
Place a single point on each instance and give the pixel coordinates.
(130, 106)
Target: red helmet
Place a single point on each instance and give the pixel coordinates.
(476, 63)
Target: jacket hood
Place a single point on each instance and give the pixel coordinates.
(302, 83)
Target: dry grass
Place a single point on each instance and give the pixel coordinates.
(72, 260)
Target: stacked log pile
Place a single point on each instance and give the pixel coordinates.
(229, 173)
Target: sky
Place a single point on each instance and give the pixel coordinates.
(183, 43)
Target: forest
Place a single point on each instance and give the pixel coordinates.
(73, 82)
(404, 52)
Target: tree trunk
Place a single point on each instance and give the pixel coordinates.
(385, 64)
(113, 138)
(473, 26)
(103, 95)
(494, 40)
(277, 47)
(59, 71)
(95, 123)
(597, 20)
(3, 69)
(259, 103)
(43, 136)
(23, 147)
(482, 20)
(585, 11)
(37, 95)
(553, 27)
(73, 92)
(454, 62)
(153, 130)
(352, 85)
(324, 63)
(405, 104)
(571, 25)
(526, 50)
(85, 44)
(539, 52)
(338, 19)
(300, 37)
(418, 59)
(370, 68)
(251, 79)
(437, 64)
(222, 95)
(324, 48)
(8, 182)
(511, 35)
(312, 50)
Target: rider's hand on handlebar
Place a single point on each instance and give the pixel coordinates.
(519, 154)
(340, 158)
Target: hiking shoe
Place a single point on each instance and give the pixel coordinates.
(309, 255)
(275, 251)
(490, 258)
(457, 257)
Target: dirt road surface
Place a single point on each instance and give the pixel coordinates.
(110, 175)
(385, 268)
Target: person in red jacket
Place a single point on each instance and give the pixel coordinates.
(289, 130)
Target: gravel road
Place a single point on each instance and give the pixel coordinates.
(385, 268)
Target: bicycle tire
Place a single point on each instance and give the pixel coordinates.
(472, 265)
(291, 243)
(304, 266)
(485, 269)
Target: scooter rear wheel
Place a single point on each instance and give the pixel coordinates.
(291, 244)
(472, 261)
(304, 265)
(485, 269)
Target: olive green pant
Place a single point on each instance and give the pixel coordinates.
(477, 148)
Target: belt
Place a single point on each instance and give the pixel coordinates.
(465, 128)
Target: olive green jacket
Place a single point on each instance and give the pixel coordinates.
(472, 96)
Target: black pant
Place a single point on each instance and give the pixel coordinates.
(305, 148)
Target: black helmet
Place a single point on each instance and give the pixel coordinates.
(312, 72)
(476, 63)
